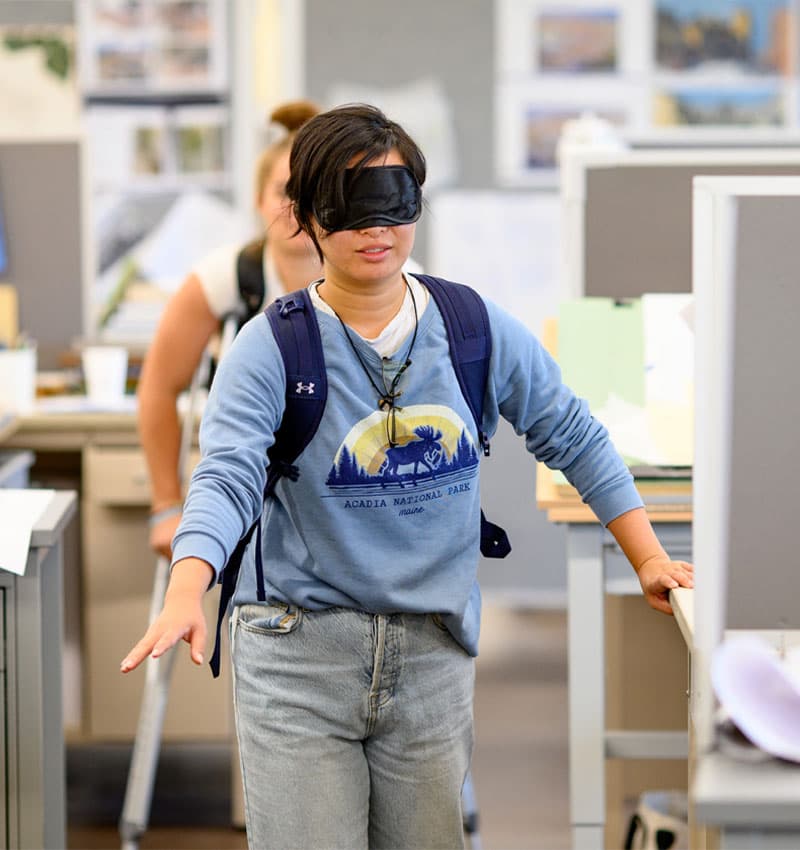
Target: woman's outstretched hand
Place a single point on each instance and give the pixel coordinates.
(181, 618)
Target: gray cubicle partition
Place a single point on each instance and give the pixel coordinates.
(638, 224)
(763, 586)
(40, 193)
(383, 44)
(747, 465)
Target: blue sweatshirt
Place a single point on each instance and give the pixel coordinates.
(367, 526)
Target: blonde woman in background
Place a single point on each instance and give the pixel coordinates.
(196, 311)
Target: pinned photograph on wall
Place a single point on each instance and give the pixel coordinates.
(200, 139)
(531, 119)
(152, 45)
(578, 40)
(579, 37)
(117, 41)
(747, 36)
(129, 63)
(760, 106)
(191, 18)
(125, 143)
(180, 64)
(543, 126)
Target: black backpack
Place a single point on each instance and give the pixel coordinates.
(250, 278)
(293, 321)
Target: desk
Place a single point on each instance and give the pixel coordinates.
(32, 803)
(595, 567)
(111, 579)
(747, 805)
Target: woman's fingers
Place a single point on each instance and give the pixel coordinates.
(657, 586)
(155, 643)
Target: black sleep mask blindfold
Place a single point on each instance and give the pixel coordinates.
(381, 195)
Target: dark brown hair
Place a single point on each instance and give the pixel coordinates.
(325, 147)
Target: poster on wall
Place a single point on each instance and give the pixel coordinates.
(531, 118)
(718, 106)
(556, 62)
(725, 36)
(39, 93)
(575, 38)
(523, 276)
(578, 41)
(152, 45)
(679, 71)
(723, 64)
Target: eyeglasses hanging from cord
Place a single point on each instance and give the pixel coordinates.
(388, 395)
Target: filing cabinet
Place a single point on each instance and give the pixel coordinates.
(118, 571)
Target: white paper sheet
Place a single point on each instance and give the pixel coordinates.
(756, 688)
(505, 245)
(669, 375)
(19, 512)
(668, 348)
(629, 428)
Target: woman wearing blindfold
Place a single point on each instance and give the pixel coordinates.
(353, 681)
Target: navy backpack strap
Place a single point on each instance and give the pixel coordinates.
(467, 324)
(470, 336)
(228, 582)
(294, 325)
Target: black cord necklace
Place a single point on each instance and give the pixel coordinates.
(387, 396)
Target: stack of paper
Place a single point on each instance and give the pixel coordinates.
(21, 510)
(632, 361)
(760, 692)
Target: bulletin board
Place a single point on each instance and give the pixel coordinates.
(669, 69)
(41, 189)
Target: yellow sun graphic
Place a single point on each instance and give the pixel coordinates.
(368, 439)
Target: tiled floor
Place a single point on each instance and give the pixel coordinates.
(519, 766)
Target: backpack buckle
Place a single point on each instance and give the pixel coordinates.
(289, 305)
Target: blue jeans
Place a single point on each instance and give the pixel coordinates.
(355, 729)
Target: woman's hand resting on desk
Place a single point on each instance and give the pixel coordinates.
(658, 575)
(181, 618)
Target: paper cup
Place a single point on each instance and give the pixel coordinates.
(17, 380)
(105, 370)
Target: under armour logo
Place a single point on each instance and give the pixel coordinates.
(304, 388)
